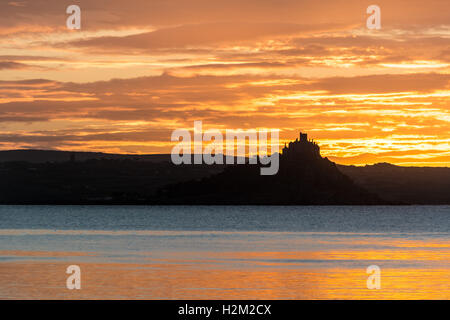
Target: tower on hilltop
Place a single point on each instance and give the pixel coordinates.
(303, 137)
(301, 149)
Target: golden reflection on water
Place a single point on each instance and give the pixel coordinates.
(416, 273)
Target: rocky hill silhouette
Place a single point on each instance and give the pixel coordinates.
(304, 178)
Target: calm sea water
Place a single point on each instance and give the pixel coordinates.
(225, 252)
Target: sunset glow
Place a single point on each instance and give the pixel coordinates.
(133, 74)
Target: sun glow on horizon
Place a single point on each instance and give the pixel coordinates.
(130, 76)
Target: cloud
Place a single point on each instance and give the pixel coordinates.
(163, 13)
(197, 35)
(387, 83)
(135, 72)
(12, 65)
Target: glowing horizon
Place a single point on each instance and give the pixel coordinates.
(133, 74)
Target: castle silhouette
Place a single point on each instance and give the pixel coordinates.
(301, 148)
(304, 178)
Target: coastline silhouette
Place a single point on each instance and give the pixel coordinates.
(304, 178)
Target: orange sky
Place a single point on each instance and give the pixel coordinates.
(138, 70)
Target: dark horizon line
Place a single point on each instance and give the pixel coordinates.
(168, 155)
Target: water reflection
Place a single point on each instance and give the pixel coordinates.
(417, 273)
(224, 252)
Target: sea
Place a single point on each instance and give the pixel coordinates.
(225, 252)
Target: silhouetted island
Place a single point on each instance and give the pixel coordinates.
(304, 178)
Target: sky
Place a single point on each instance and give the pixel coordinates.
(139, 69)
